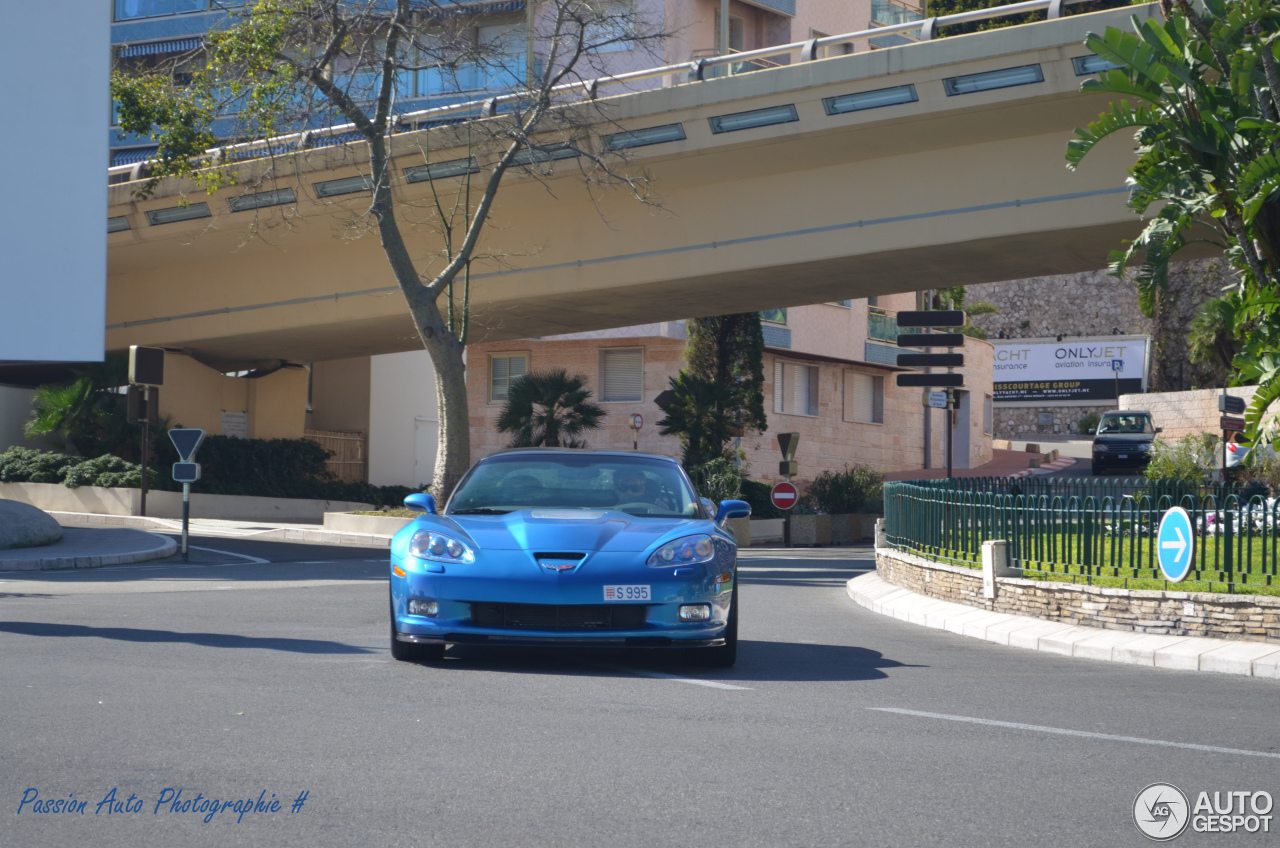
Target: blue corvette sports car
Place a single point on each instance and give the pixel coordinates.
(540, 546)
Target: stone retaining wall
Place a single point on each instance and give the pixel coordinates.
(1246, 617)
(1184, 413)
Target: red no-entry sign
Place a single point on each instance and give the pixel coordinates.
(784, 495)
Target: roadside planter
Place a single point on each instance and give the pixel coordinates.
(846, 529)
(809, 531)
(741, 530)
(374, 525)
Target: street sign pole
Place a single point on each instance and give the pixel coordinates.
(146, 446)
(950, 413)
(186, 517)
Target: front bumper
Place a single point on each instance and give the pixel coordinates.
(653, 623)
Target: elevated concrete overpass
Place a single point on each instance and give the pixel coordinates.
(957, 186)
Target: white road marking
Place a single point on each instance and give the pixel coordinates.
(253, 559)
(1062, 731)
(675, 677)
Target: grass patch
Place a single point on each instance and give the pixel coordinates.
(394, 512)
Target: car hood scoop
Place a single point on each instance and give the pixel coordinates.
(588, 531)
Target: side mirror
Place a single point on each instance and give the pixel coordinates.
(1159, 429)
(732, 509)
(424, 501)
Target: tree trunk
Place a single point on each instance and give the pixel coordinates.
(453, 448)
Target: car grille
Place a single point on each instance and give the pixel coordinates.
(559, 617)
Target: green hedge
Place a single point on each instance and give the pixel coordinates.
(269, 468)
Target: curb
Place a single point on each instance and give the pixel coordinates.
(1047, 468)
(1185, 653)
(165, 547)
(173, 525)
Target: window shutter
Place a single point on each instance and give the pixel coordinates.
(812, 397)
(499, 371)
(517, 368)
(799, 389)
(623, 373)
(778, 386)
(863, 398)
(877, 399)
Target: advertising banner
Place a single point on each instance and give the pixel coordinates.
(1077, 369)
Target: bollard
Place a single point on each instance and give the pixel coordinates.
(882, 535)
(995, 563)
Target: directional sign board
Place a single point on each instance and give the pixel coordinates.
(1175, 544)
(1231, 424)
(1231, 405)
(931, 318)
(187, 441)
(938, 400)
(784, 495)
(186, 472)
(927, 381)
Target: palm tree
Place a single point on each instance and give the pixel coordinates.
(697, 414)
(550, 409)
(86, 415)
(1211, 336)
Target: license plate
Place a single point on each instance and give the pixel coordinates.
(626, 593)
(1123, 456)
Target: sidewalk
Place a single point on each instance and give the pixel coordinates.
(259, 531)
(89, 548)
(1187, 653)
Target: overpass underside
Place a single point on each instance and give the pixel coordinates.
(942, 191)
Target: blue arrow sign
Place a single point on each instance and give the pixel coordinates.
(1175, 544)
(187, 441)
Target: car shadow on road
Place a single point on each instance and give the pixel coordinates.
(204, 640)
(758, 661)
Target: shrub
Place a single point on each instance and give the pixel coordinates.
(24, 465)
(108, 471)
(1188, 460)
(1088, 423)
(275, 468)
(718, 479)
(756, 493)
(1261, 476)
(846, 491)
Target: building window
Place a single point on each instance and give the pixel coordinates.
(863, 398)
(987, 414)
(621, 374)
(845, 303)
(795, 388)
(127, 10)
(776, 316)
(502, 370)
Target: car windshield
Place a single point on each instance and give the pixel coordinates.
(635, 485)
(1114, 423)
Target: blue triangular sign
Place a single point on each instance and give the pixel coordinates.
(187, 441)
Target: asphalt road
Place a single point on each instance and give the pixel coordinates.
(230, 677)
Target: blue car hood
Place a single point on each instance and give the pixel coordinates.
(570, 530)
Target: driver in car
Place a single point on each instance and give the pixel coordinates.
(632, 486)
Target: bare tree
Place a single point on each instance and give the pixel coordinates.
(288, 65)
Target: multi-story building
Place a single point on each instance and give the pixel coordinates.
(829, 376)
(148, 33)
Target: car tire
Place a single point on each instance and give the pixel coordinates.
(721, 656)
(410, 652)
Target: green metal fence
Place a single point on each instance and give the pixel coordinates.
(1094, 531)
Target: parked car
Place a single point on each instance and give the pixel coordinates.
(1123, 441)
(568, 547)
(1237, 452)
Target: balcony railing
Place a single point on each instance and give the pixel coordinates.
(761, 64)
(883, 326)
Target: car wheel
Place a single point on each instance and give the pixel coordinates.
(721, 656)
(410, 652)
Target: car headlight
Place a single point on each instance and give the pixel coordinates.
(1145, 446)
(429, 544)
(1099, 448)
(686, 551)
